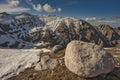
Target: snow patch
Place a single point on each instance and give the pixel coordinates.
(14, 61)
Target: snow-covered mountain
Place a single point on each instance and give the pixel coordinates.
(14, 29)
(25, 30)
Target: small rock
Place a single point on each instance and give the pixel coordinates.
(56, 48)
(34, 74)
(87, 59)
(46, 63)
(42, 45)
(38, 67)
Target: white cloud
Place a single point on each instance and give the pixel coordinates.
(91, 19)
(94, 19)
(48, 8)
(107, 21)
(10, 9)
(14, 2)
(37, 7)
(100, 20)
(59, 9)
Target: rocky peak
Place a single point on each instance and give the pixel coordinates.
(3, 14)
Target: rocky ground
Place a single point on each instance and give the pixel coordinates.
(62, 73)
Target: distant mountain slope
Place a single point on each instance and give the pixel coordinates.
(110, 33)
(117, 30)
(72, 28)
(14, 29)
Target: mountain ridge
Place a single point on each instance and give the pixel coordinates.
(24, 30)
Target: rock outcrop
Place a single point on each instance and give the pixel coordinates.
(87, 59)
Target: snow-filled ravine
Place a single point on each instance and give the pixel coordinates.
(14, 61)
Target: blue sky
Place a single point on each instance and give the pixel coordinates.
(93, 11)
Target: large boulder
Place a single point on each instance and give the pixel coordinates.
(87, 59)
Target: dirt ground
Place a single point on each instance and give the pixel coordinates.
(62, 73)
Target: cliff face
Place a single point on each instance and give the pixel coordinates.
(23, 30)
(110, 33)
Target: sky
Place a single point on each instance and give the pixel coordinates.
(93, 11)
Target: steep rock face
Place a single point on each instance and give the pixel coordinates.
(117, 30)
(36, 33)
(47, 36)
(87, 59)
(110, 33)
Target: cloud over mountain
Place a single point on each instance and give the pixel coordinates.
(14, 2)
(94, 19)
(45, 7)
(100, 20)
(114, 21)
(48, 8)
(10, 9)
(12, 6)
(116, 17)
(37, 7)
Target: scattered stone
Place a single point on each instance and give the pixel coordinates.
(46, 63)
(87, 59)
(38, 67)
(56, 48)
(41, 45)
(34, 74)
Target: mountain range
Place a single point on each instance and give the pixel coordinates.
(27, 31)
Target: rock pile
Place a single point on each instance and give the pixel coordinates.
(46, 63)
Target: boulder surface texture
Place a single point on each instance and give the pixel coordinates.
(87, 59)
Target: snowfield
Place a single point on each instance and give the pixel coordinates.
(14, 61)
